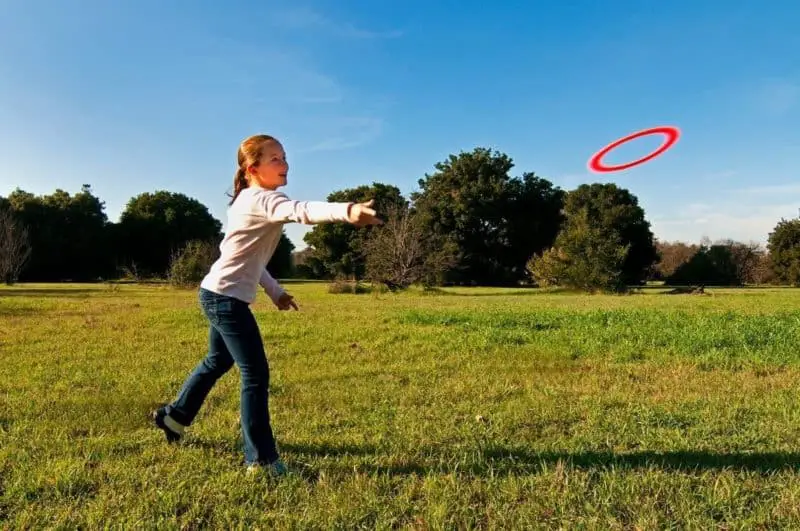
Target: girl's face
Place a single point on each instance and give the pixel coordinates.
(271, 171)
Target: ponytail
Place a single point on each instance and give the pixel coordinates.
(249, 155)
(239, 183)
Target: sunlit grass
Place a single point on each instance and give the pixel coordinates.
(469, 408)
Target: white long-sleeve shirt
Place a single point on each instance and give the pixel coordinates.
(255, 224)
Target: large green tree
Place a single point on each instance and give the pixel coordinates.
(784, 250)
(154, 226)
(339, 248)
(617, 211)
(67, 235)
(605, 244)
(496, 221)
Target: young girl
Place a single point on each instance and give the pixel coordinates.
(255, 219)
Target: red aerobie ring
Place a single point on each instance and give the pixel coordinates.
(672, 134)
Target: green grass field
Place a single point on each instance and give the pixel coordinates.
(471, 408)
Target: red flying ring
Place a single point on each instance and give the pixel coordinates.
(672, 134)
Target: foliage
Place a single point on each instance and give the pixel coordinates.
(605, 243)
(474, 224)
(191, 264)
(338, 248)
(14, 245)
(68, 235)
(585, 256)
(710, 266)
(155, 225)
(400, 253)
(341, 286)
(671, 255)
(307, 265)
(281, 265)
(784, 249)
(616, 212)
(494, 220)
(724, 263)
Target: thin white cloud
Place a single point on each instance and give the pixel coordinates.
(724, 174)
(777, 96)
(776, 189)
(288, 87)
(348, 133)
(303, 18)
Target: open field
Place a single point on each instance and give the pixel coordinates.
(472, 408)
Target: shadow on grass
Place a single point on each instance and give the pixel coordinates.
(510, 461)
(19, 312)
(54, 292)
(507, 292)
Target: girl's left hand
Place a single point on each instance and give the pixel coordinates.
(285, 302)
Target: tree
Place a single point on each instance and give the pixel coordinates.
(586, 256)
(68, 235)
(712, 265)
(672, 255)
(763, 272)
(338, 247)
(724, 263)
(400, 253)
(306, 265)
(14, 246)
(280, 265)
(746, 259)
(784, 248)
(156, 225)
(496, 221)
(605, 243)
(617, 211)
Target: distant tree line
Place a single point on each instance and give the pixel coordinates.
(470, 223)
(63, 237)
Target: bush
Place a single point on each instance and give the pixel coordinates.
(340, 286)
(400, 253)
(191, 264)
(725, 263)
(585, 257)
(549, 268)
(710, 266)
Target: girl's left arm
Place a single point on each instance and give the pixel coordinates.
(271, 286)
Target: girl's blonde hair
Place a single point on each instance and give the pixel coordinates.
(249, 155)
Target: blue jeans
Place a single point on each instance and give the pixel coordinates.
(233, 337)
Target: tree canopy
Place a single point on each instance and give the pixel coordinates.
(495, 220)
(339, 248)
(154, 226)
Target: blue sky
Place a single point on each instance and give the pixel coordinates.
(135, 96)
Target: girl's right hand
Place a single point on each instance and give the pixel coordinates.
(362, 214)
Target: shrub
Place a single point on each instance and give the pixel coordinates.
(190, 265)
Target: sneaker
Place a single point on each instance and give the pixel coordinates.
(160, 419)
(275, 469)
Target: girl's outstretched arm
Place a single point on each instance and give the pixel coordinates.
(278, 208)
